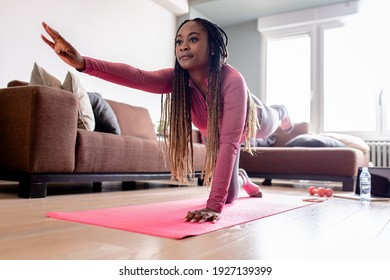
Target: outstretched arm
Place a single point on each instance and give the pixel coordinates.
(63, 48)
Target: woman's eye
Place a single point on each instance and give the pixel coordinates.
(193, 40)
(178, 42)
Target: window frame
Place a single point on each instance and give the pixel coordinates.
(316, 31)
(310, 31)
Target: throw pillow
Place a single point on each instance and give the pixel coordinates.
(105, 118)
(40, 76)
(350, 141)
(86, 118)
(313, 140)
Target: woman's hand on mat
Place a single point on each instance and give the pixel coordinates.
(202, 216)
(63, 48)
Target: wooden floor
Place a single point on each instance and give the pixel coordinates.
(335, 229)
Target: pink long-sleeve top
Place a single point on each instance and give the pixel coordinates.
(234, 100)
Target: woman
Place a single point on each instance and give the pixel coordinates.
(202, 90)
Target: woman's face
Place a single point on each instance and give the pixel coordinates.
(191, 47)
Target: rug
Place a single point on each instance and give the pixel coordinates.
(166, 219)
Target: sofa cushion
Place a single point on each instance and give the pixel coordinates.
(105, 118)
(133, 120)
(41, 77)
(86, 118)
(104, 152)
(314, 140)
(343, 161)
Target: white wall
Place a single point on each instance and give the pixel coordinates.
(244, 52)
(137, 32)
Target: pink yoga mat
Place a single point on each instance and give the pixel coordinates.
(166, 219)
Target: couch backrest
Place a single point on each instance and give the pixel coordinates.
(133, 120)
(282, 138)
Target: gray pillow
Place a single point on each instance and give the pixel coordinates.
(313, 140)
(105, 117)
(265, 142)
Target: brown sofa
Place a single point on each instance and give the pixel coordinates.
(279, 161)
(40, 143)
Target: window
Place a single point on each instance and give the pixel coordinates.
(288, 74)
(349, 92)
(329, 73)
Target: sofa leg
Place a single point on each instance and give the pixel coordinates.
(267, 182)
(28, 189)
(348, 186)
(129, 185)
(97, 187)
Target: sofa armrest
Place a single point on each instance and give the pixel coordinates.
(197, 137)
(39, 126)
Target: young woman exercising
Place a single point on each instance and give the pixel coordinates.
(202, 89)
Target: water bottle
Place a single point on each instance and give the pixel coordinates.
(365, 186)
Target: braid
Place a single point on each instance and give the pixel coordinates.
(177, 125)
(218, 54)
(252, 123)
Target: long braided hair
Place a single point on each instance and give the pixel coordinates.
(176, 111)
